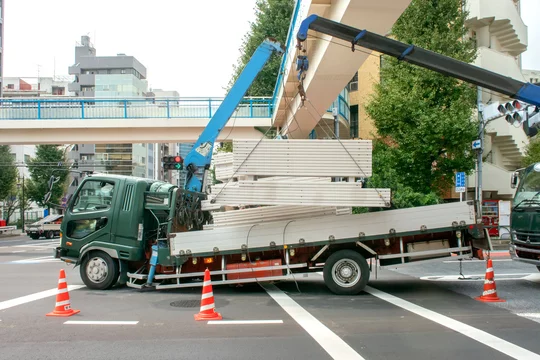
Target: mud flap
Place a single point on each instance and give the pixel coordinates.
(123, 278)
(480, 240)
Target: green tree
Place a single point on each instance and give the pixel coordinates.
(14, 201)
(273, 19)
(532, 152)
(49, 160)
(8, 172)
(424, 119)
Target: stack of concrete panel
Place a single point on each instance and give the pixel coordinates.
(291, 179)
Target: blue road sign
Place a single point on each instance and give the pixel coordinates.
(476, 144)
(460, 182)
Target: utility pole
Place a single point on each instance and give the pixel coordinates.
(21, 202)
(336, 122)
(480, 151)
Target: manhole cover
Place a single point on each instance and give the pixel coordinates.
(186, 303)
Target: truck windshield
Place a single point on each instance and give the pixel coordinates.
(528, 192)
(93, 195)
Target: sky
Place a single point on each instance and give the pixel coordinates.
(187, 46)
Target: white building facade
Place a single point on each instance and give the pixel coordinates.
(501, 38)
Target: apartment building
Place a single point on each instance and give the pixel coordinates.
(109, 77)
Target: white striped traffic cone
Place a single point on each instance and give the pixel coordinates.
(208, 308)
(63, 304)
(490, 289)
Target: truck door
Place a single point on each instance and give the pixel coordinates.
(90, 214)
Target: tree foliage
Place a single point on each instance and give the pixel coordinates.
(8, 172)
(50, 160)
(424, 119)
(273, 18)
(532, 152)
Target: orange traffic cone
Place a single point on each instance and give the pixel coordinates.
(63, 304)
(490, 289)
(208, 308)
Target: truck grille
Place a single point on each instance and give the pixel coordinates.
(533, 238)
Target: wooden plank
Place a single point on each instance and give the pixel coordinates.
(267, 214)
(345, 158)
(321, 228)
(297, 193)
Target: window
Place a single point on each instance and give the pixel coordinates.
(354, 122)
(11, 86)
(94, 195)
(26, 158)
(353, 84)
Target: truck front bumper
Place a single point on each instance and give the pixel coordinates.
(517, 254)
(58, 252)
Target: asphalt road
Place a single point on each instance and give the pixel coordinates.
(417, 312)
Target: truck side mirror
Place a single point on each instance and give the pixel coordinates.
(514, 180)
(51, 182)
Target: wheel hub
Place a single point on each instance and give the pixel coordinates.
(97, 270)
(346, 273)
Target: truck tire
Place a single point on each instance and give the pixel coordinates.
(49, 235)
(346, 272)
(538, 267)
(99, 271)
(34, 236)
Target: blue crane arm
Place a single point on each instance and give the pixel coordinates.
(446, 65)
(201, 154)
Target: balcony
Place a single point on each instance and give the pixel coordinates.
(504, 23)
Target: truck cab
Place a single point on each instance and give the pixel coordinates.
(107, 228)
(525, 216)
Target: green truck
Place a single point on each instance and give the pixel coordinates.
(122, 229)
(525, 216)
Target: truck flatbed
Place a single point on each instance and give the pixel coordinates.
(324, 229)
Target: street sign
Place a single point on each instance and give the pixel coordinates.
(476, 144)
(460, 182)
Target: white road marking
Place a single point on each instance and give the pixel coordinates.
(476, 261)
(330, 342)
(30, 244)
(530, 315)
(476, 277)
(241, 322)
(483, 337)
(89, 322)
(33, 297)
(533, 277)
(18, 251)
(37, 260)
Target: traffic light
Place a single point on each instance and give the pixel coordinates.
(513, 112)
(173, 162)
(518, 113)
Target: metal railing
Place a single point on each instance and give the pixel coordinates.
(132, 108)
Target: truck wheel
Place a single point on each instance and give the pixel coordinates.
(34, 236)
(346, 272)
(49, 235)
(538, 267)
(99, 271)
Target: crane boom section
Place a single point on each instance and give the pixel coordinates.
(201, 154)
(446, 65)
